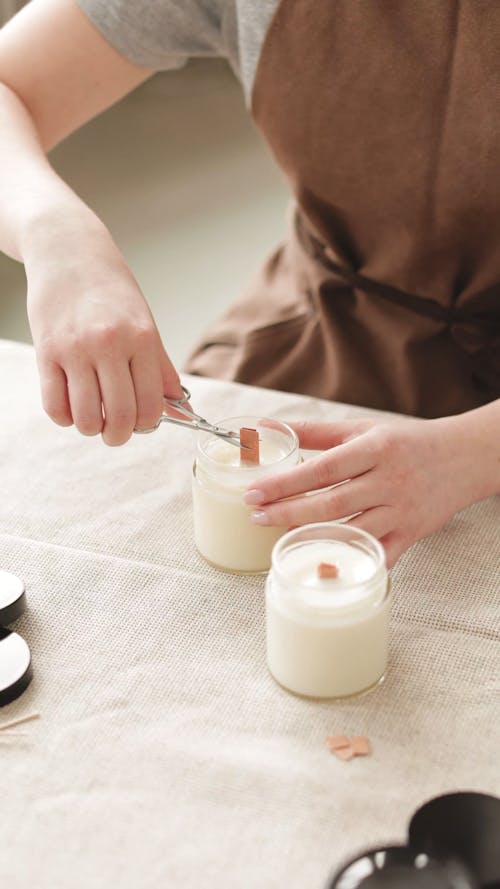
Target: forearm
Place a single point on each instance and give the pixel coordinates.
(476, 434)
(31, 192)
(56, 73)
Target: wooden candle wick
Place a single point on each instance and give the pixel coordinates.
(326, 569)
(249, 441)
(22, 719)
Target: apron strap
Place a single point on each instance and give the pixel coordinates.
(480, 311)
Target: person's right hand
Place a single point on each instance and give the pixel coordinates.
(101, 361)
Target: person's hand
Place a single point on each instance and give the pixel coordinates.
(101, 361)
(400, 480)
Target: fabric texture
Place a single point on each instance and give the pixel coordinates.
(163, 34)
(165, 754)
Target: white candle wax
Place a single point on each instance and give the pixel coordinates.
(224, 532)
(327, 637)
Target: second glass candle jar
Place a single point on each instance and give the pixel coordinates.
(327, 637)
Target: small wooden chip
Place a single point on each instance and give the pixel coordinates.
(360, 745)
(20, 721)
(249, 439)
(326, 569)
(336, 742)
(345, 753)
(346, 748)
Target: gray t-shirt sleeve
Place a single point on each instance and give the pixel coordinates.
(163, 34)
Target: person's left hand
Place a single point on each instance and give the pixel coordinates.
(400, 480)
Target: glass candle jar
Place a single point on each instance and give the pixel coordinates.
(327, 637)
(224, 533)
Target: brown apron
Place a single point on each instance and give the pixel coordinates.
(385, 116)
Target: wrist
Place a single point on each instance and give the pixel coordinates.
(474, 441)
(58, 224)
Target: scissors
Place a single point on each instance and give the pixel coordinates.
(192, 421)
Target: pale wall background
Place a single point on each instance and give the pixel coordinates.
(189, 190)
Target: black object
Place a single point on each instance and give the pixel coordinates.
(464, 825)
(399, 867)
(12, 598)
(15, 666)
(15, 656)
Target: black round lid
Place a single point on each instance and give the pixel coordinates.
(12, 598)
(15, 666)
(464, 826)
(398, 867)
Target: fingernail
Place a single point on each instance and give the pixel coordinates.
(254, 497)
(259, 518)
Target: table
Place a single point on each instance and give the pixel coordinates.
(165, 754)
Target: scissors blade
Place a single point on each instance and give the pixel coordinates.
(193, 420)
(226, 434)
(198, 426)
(231, 438)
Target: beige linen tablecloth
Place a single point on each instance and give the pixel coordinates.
(166, 755)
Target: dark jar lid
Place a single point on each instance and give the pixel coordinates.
(399, 867)
(12, 598)
(465, 826)
(15, 666)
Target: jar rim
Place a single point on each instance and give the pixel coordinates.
(322, 531)
(271, 423)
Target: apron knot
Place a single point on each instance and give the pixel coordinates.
(473, 325)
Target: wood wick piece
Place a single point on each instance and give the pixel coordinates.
(326, 569)
(15, 722)
(347, 748)
(249, 450)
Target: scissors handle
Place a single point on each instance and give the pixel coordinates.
(178, 404)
